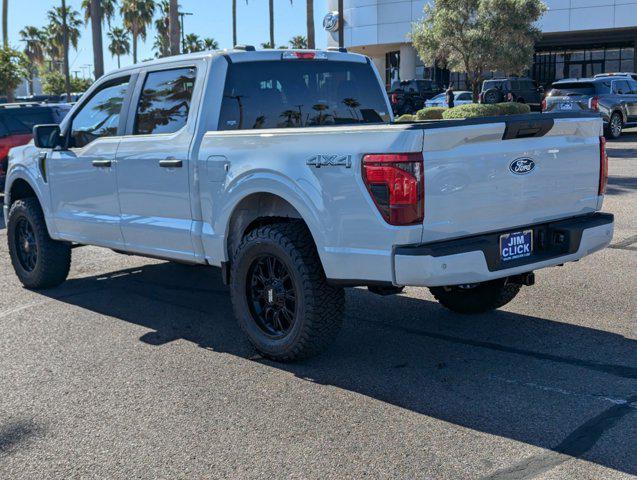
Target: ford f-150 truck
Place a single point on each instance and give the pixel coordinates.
(284, 169)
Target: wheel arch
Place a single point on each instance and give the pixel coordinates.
(20, 186)
(261, 208)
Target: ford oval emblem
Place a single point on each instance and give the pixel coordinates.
(522, 166)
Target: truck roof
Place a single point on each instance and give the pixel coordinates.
(243, 53)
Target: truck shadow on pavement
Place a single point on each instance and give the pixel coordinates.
(566, 388)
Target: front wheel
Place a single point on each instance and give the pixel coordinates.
(478, 297)
(615, 126)
(38, 260)
(280, 295)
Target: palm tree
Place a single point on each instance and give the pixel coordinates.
(173, 26)
(119, 44)
(234, 22)
(33, 49)
(108, 10)
(311, 43)
(64, 30)
(162, 44)
(5, 23)
(210, 44)
(137, 16)
(298, 42)
(272, 23)
(193, 43)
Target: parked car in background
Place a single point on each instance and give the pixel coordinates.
(410, 95)
(16, 126)
(461, 97)
(632, 75)
(524, 90)
(614, 97)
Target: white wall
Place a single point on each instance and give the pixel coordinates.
(373, 22)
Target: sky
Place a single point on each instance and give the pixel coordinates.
(211, 18)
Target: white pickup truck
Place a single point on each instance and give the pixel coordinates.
(284, 168)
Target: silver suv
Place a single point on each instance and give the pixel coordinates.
(613, 96)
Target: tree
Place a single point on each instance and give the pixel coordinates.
(234, 22)
(12, 71)
(96, 33)
(5, 23)
(137, 16)
(311, 42)
(108, 10)
(271, 11)
(54, 33)
(267, 45)
(210, 44)
(194, 44)
(298, 42)
(477, 36)
(33, 39)
(53, 83)
(161, 45)
(174, 27)
(119, 44)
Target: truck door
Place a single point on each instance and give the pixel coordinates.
(153, 164)
(82, 176)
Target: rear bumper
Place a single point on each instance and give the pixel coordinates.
(477, 259)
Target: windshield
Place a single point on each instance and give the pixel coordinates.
(301, 93)
(572, 89)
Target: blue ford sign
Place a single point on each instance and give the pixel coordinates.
(521, 166)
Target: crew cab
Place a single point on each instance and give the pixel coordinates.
(284, 169)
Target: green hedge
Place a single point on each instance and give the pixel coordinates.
(405, 118)
(430, 113)
(513, 108)
(471, 110)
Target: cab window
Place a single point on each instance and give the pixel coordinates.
(99, 117)
(165, 101)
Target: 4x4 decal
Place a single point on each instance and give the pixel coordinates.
(319, 161)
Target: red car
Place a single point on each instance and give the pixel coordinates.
(16, 127)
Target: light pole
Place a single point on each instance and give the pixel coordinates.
(183, 36)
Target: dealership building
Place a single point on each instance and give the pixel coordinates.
(580, 38)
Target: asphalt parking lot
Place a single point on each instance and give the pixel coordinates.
(135, 368)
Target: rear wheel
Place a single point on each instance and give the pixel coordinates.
(493, 95)
(615, 126)
(280, 295)
(477, 297)
(38, 260)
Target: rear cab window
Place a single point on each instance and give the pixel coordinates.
(20, 121)
(165, 100)
(296, 94)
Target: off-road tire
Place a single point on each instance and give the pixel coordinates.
(320, 306)
(615, 126)
(53, 258)
(481, 298)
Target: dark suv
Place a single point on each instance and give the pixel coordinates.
(614, 97)
(16, 126)
(410, 95)
(524, 90)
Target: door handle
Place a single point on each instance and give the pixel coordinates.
(102, 163)
(171, 163)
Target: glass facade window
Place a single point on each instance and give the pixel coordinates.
(392, 69)
(552, 65)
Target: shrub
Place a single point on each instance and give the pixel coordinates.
(430, 113)
(471, 110)
(513, 108)
(405, 118)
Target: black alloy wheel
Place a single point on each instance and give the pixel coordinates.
(271, 296)
(26, 245)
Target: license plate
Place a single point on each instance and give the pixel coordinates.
(516, 245)
(566, 106)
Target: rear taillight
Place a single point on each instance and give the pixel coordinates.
(593, 104)
(543, 105)
(396, 183)
(603, 166)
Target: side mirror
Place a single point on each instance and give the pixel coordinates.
(47, 136)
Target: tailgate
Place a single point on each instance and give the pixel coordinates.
(476, 182)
